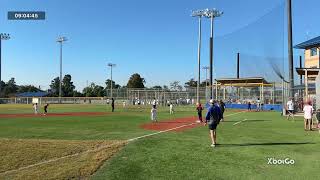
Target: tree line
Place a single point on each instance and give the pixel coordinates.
(68, 89)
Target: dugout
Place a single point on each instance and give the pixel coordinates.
(243, 90)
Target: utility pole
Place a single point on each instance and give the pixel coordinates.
(3, 36)
(199, 14)
(61, 40)
(111, 66)
(290, 50)
(212, 13)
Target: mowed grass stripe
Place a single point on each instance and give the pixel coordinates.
(242, 154)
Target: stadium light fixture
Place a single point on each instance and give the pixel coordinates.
(3, 36)
(211, 14)
(111, 66)
(60, 40)
(199, 14)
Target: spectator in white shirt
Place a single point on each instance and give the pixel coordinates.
(308, 111)
(290, 109)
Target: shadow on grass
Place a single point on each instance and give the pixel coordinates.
(265, 144)
(249, 120)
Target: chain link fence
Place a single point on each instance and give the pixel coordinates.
(238, 95)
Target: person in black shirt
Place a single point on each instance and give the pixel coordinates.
(112, 104)
(46, 109)
(222, 108)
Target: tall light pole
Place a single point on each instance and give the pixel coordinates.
(206, 68)
(212, 13)
(199, 14)
(3, 36)
(290, 50)
(60, 40)
(111, 66)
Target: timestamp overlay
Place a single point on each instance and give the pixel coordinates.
(26, 15)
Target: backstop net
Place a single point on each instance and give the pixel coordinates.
(260, 48)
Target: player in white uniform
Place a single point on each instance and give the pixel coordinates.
(171, 108)
(258, 104)
(124, 104)
(35, 107)
(154, 114)
(290, 109)
(154, 103)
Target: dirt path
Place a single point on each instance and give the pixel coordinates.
(168, 124)
(53, 114)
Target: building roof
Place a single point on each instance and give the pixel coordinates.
(311, 71)
(249, 80)
(32, 94)
(309, 44)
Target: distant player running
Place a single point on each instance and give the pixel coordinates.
(45, 108)
(199, 111)
(35, 107)
(112, 104)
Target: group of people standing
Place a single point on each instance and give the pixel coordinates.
(258, 103)
(308, 113)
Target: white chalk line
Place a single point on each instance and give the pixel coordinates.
(103, 147)
(240, 121)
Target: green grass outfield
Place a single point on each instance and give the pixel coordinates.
(242, 154)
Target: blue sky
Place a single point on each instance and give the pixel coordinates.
(157, 38)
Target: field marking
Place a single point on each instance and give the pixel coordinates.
(159, 132)
(102, 147)
(240, 121)
(171, 129)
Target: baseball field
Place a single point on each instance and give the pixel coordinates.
(91, 142)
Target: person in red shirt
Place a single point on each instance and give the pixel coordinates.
(199, 110)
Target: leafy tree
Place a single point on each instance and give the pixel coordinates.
(3, 85)
(136, 81)
(28, 88)
(10, 87)
(157, 87)
(191, 83)
(98, 91)
(87, 91)
(77, 94)
(67, 86)
(114, 85)
(175, 85)
(94, 91)
(54, 86)
(204, 83)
